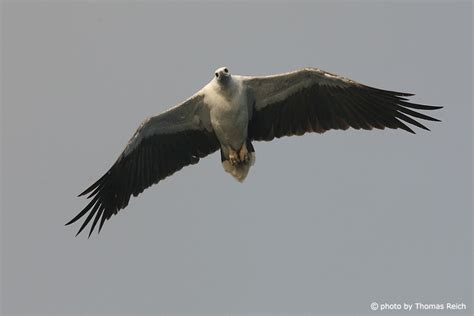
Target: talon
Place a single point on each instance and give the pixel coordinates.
(233, 157)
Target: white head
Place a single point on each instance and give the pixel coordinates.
(222, 75)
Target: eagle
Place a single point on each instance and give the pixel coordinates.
(231, 112)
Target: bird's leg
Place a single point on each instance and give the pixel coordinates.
(233, 156)
(244, 153)
(236, 157)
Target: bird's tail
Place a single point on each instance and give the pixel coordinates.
(241, 170)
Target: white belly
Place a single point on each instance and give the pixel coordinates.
(229, 117)
(230, 124)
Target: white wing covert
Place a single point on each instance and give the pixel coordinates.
(162, 145)
(312, 100)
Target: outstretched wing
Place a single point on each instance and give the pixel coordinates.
(312, 100)
(162, 145)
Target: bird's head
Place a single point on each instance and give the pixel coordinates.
(222, 75)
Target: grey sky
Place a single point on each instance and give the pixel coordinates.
(323, 224)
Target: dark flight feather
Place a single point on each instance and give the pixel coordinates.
(319, 108)
(154, 159)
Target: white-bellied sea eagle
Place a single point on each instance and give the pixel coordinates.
(232, 111)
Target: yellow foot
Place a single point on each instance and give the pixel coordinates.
(244, 153)
(233, 157)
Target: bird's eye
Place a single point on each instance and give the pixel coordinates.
(226, 70)
(217, 75)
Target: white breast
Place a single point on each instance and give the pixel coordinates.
(228, 111)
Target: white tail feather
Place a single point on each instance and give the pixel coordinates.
(240, 171)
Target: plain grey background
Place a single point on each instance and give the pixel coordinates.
(323, 224)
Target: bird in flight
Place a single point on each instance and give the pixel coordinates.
(228, 114)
